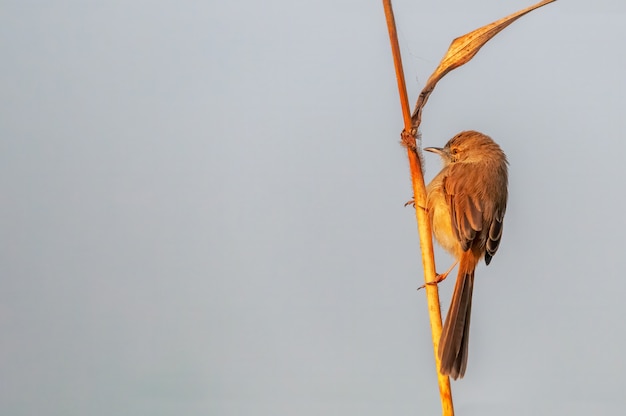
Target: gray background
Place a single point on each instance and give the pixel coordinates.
(201, 208)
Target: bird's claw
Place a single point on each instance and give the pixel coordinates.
(438, 279)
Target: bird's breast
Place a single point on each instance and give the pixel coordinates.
(441, 221)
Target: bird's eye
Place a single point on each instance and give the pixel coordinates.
(454, 151)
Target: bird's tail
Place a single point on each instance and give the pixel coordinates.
(454, 342)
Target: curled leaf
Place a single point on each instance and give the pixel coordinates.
(461, 50)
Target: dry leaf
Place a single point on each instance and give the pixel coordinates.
(463, 49)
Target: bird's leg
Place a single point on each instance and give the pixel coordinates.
(440, 277)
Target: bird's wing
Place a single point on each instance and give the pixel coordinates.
(495, 234)
(469, 212)
(466, 211)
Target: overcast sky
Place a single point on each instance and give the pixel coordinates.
(201, 208)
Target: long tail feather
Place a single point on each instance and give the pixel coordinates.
(454, 342)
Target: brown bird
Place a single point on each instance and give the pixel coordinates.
(466, 204)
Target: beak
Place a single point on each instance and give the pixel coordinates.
(437, 150)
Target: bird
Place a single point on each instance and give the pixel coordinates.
(466, 203)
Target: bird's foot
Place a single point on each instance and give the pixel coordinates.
(438, 278)
(412, 202)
